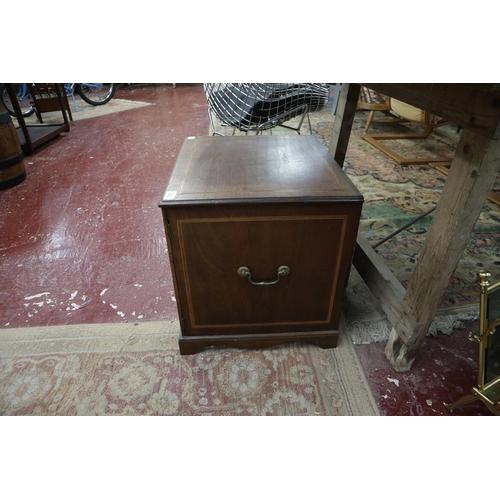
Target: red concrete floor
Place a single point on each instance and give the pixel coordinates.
(443, 372)
(86, 223)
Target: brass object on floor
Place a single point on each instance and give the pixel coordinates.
(488, 338)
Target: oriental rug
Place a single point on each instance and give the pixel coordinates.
(394, 195)
(136, 369)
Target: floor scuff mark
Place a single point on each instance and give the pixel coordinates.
(393, 380)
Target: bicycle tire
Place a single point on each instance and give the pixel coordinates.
(27, 109)
(97, 96)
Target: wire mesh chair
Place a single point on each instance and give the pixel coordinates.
(255, 107)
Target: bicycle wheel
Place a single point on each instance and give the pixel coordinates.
(96, 93)
(23, 97)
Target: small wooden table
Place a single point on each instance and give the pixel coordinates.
(34, 135)
(260, 231)
(476, 108)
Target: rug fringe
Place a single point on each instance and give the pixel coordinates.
(368, 332)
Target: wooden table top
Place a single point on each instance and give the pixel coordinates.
(473, 106)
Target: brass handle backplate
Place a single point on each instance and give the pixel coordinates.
(244, 272)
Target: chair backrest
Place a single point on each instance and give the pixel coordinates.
(407, 111)
(260, 106)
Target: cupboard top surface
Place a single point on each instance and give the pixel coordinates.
(256, 168)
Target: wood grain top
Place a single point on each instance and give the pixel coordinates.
(256, 168)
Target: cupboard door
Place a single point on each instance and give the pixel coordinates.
(210, 252)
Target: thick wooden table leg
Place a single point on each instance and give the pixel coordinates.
(344, 117)
(473, 171)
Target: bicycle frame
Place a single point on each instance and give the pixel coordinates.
(69, 88)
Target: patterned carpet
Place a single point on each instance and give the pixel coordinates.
(127, 369)
(396, 194)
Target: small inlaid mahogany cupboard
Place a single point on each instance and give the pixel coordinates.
(261, 232)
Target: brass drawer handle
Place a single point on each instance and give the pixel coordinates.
(244, 272)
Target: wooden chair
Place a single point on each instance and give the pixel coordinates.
(375, 101)
(408, 113)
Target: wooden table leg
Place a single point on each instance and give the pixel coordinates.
(344, 117)
(472, 174)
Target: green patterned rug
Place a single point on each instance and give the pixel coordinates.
(394, 195)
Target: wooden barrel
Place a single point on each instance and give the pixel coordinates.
(12, 170)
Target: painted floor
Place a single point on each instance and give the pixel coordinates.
(82, 241)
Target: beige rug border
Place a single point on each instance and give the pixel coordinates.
(86, 111)
(350, 367)
(134, 337)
